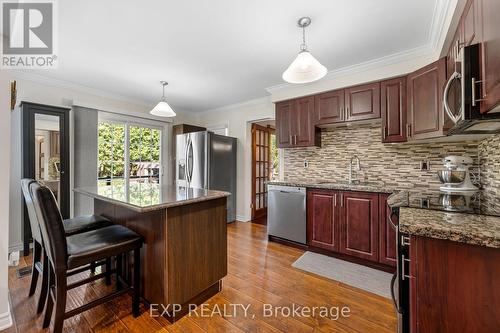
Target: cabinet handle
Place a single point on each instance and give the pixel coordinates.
(408, 130)
(335, 200)
(385, 132)
(341, 199)
(295, 139)
(291, 139)
(474, 100)
(346, 112)
(403, 273)
(342, 113)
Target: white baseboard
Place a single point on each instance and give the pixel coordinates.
(243, 218)
(5, 320)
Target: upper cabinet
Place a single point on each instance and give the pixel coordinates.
(295, 123)
(393, 109)
(489, 11)
(425, 101)
(329, 108)
(363, 102)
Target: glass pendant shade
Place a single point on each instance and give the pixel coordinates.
(162, 109)
(304, 69)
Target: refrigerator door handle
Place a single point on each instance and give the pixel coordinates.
(188, 177)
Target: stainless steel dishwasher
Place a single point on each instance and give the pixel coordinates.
(287, 213)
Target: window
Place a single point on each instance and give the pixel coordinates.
(128, 153)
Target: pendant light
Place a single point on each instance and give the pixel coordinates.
(162, 109)
(305, 68)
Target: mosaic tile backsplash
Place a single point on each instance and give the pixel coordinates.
(489, 155)
(396, 165)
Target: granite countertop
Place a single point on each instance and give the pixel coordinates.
(466, 228)
(144, 197)
(362, 187)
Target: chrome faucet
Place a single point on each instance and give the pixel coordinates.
(358, 168)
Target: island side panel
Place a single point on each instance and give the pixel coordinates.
(196, 250)
(151, 226)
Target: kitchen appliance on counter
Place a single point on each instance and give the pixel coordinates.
(462, 96)
(468, 202)
(286, 213)
(207, 160)
(456, 174)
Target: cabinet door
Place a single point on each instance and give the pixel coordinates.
(425, 89)
(284, 114)
(471, 23)
(363, 102)
(322, 219)
(329, 108)
(490, 55)
(359, 224)
(393, 107)
(387, 233)
(302, 124)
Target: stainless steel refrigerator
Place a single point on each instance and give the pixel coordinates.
(207, 160)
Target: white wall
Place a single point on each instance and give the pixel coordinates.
(5, 318)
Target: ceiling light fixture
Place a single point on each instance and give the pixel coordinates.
(162, 109)
(305, 68)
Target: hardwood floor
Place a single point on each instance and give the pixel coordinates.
(259, 273)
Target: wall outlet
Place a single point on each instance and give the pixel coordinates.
(425, 165)
(306, 164)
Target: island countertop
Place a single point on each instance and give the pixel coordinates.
(145, 197)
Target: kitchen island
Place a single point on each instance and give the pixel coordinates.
(184, 256)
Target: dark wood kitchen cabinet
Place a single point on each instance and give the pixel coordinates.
(362, 102)
(490, 54)
(393, 109)
(425, 89)
(329, 108)
(359, 219)
(295, 123)
(387, 233)
(322, 219)
(453, 286)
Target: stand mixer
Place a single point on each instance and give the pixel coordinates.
(456, 176)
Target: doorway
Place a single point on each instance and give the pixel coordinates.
(265, 164)
(45, 156)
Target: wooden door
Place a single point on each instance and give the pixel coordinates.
(284, 114)
(363, 102)
(393, 108)
(329, 108)
(387, 233)
(302, 124)
(322, 219)
(261, 168)
(470, 23)
(490, 55)
(425, 89)
(359, 215)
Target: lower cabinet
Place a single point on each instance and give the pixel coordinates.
(359, 225)
(453, 286)
(351, 223)
(323, 223)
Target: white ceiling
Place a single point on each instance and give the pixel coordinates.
(220, 52)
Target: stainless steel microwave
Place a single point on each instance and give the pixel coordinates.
(461, 99)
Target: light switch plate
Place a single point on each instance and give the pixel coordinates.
(306, 164)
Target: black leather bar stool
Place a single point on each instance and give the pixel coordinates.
(78, 251)
(71, 227)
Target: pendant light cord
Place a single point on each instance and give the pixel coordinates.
(303, 46)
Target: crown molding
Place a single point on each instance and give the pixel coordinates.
(441, 19)
(249, 103)
(37, 78)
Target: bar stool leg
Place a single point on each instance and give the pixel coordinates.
(108, 271)
(137, 282)
(92, 267)
(119, 264)
(60, 293)
(50, 301)
(37, 249)
(45, 284)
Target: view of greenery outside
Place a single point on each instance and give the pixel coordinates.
(274, 157)
(144, 154)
